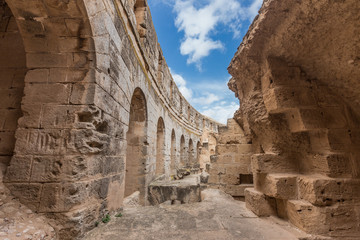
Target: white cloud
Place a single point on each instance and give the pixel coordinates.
(198, 23)
(210, 99)
(181, 84)
(206, 99)
(254, 8)
(221, 112)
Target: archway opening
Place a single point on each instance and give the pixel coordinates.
(160, 147)
(12, 74)
(191, 153)
(198, 152)
(136, 146)
(173, 152)
(182, 151)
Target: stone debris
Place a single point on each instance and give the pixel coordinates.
(19, 222)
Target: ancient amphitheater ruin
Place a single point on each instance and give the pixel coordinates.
(90, 115)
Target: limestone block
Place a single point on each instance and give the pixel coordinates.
(282, 186)
(332, 165)
(233, 148)
(31, 116)
(49, 93)
(322, 191)
(39, 142)
(331, 139)
(60, 197)
(280, 99)
(231, 138)
(259, 203)
(59, 116)
(280, 74)
(47, 60)
(272, 163)
(83, 93)
(307, 217)
(26, 192)
(69, 168)
(37, 76)
(315, 118)
(19, 169)
(186, 191)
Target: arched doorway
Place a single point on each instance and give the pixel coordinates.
(198, 151)
(136, 146)
(12, 74)
(191, 152)
(160, 147)
(182, 151)
(173, 153)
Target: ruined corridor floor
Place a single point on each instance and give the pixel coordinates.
(217, 217)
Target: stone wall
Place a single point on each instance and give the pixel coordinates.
(230, 166)
(96, 85)
(12, 70)
(296, 75)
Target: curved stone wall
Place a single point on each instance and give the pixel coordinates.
(90, 65)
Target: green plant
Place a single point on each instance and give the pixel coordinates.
(119, 215)
(96, 223)
(106, 219)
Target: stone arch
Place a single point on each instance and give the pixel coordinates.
(182, 151)
(173, 152)
(160, 147)
(12, 73)
(191, 152)
(136, 146)
(198, 151)
(57, 40)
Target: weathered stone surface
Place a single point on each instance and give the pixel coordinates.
(218, 216)
(72, 74)
(259, 203)
(300, 105)
(186, 190)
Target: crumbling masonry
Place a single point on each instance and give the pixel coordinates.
(296, 74)
(89, 110)
(89, 113)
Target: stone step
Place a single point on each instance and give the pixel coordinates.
(284, 98)
(325, 191)
(306, 119)
(259, 203)
(340, 220)
(344, 139)
(272, 163)
(280, 185)
(330, 164)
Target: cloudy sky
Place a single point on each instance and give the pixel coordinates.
(199, 38)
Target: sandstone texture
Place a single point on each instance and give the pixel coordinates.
(217, 217)
(230, 165)
(296, 74)
(89, 112)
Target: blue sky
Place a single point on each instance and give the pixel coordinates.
(199, 39)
